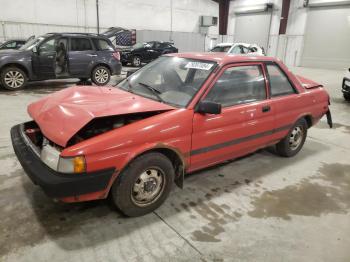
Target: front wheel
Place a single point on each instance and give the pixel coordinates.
(136, 61)
(144, 185)
(13, 78)
(294, 141)
(101, 75)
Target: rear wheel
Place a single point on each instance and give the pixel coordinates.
(346, 97)
(101, 75)
(13, 78)
(294, 141)
(144, 185)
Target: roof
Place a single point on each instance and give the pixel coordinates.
(224, 44)
(76, 34)
(223, 58)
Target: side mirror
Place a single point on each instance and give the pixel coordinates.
(206, 107)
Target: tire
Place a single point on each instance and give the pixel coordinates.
(346, 97)
(136, 61)
(152, 171)
(13, 78)
(100, 75)
(294, 141)
(124, 63)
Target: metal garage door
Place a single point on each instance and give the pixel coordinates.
(327, 38)
(253, 28)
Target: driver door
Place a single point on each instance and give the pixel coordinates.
(245, 122)
(44, 60)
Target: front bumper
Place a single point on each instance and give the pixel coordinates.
(346, 86)
(55, 184)
(125, 57)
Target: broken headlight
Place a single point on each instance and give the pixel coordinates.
(75, 164)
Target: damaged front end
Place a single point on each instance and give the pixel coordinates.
(102, 125)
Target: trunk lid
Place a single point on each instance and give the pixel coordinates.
(62, 114)
(307, 83)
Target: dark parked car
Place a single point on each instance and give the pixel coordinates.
(14, 43)
(346, 86)
(146, 52)
(60, 55)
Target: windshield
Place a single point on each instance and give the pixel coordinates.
(31, 43)
(138, 45)
(171, 80)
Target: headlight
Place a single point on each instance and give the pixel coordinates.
(75, 164)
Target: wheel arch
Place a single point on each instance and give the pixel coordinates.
(176, 158)
(309, 120)
(18, 65)
(100, 64)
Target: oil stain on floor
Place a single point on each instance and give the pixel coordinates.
(327, 192)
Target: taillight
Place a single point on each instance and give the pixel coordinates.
(116, 55)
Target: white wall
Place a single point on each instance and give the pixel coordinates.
(27, 17)
(276, 12)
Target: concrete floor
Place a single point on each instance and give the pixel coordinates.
(258, 208)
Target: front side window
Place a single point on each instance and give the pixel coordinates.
(171, 80)
(80, 44)
(279, 83)
(238, 85)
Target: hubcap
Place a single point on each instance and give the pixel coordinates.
(137, 61)
(148, 187)
(296, 137)
(14, 79)
(101, 76)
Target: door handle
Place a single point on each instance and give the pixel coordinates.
(266, 108)
(50, 56)
(91, 55)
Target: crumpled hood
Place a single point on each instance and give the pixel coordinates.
(62, 114)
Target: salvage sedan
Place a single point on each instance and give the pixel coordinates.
(178, 114)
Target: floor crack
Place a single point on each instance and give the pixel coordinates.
(172, 228)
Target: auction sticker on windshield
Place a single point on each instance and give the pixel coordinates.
(199, 65)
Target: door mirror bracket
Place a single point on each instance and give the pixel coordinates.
(207, 107)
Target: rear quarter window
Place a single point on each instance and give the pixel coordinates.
(103, 45)
(279, 83)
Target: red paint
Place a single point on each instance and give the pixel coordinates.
(62, 114)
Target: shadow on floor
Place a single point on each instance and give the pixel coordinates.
(30, 217)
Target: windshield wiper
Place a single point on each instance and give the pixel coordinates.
(155, 91)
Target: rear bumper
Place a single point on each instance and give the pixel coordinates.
(55, 184)
(346, 85)
(116, 68)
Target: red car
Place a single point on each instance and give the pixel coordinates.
(178, 114)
